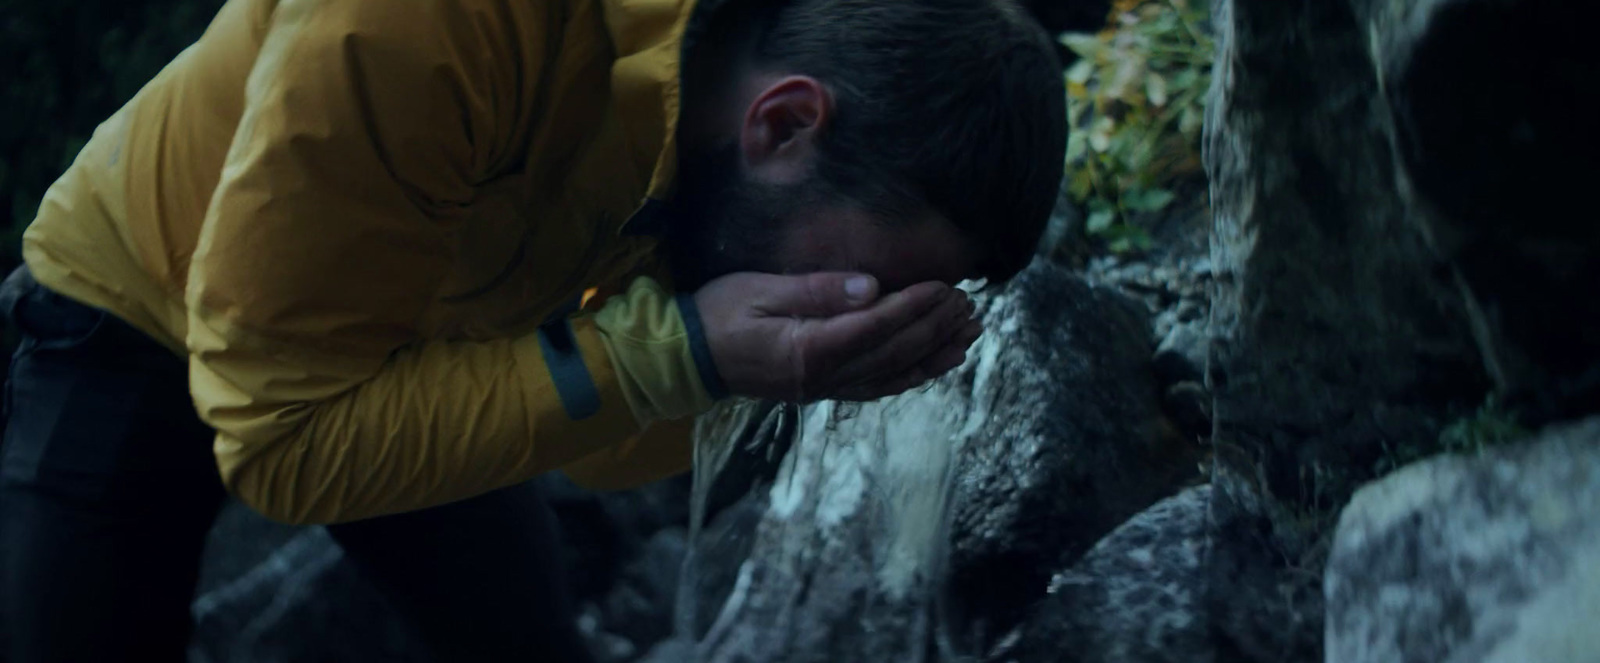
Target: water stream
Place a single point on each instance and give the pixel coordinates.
(855, 528)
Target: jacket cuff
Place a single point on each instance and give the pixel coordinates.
(657, 346)
(699, 348)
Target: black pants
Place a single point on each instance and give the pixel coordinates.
(108, 489)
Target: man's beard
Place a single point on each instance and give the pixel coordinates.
(723, 221)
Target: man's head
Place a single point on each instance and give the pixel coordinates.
(914, 140)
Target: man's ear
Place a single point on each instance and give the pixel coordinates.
(778, 139)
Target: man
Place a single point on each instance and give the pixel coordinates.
(369, 227)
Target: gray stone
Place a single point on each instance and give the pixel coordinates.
(1065, 401)
(1163, 323)
(720, 553)
(1182, 354)
(1455, 559)
(1051, 435)
(1138, 596)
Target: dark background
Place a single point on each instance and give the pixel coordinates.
(68, 65)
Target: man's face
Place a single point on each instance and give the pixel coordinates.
(727, 221)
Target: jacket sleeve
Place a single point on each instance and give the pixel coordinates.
(658, 343)
(367, 126)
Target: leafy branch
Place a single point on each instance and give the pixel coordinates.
(1136, 100)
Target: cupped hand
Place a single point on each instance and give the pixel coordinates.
(832, 335)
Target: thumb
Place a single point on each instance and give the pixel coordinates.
(819, 295)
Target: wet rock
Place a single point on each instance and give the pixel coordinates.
(1137, 597)
(720, 553)
(1012, 520)
(1182, 354)
(1172, 280)
(1052, 435)
(1494, 558)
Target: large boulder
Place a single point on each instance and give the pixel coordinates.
(1137, 596)
(1492, 559)
(1013, 465)
(1062, 437)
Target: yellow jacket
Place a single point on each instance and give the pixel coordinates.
(366, 224)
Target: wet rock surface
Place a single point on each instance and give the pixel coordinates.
(1491, 558)
(1035, 487)
(1138, 595)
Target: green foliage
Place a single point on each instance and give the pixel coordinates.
(1488, 426)
(1136, 100)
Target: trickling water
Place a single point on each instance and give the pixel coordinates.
(715, 441)
(859, 514)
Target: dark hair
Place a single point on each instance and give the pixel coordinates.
(957, 105)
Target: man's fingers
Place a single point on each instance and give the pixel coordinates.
(831, 342)
(819, 295)
(935, 367)
(910, 346)
(945, 360)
